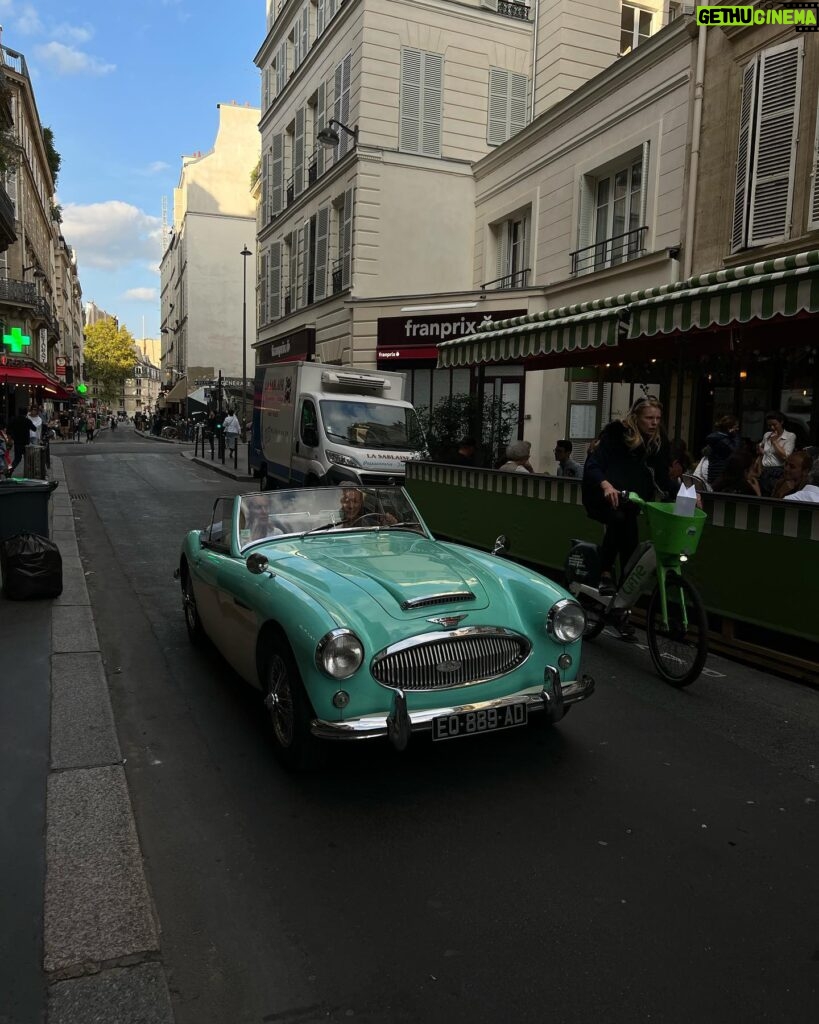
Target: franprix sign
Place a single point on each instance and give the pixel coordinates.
(415, 337)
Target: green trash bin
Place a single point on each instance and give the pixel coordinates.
(24, 506)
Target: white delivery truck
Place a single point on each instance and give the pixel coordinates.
(317, 424)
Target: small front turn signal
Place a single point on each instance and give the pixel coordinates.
(341, 699)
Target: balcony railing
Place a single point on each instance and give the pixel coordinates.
(312, 170)
(520, 279)
(291, 190)
(22, 292)
(510, 9)
(337, 274)
(14, 60)
(288, 305)
(609, 251)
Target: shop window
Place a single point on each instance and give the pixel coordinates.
(766, 150)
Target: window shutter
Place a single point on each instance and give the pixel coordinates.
(295, 31)
(298, 153)
(331, 10)
(266, 88)
(293, 269)
(305, 30)
(644, 185)
(262, 289)
(518, 102)
(322, 239)
(777, 124)
(281, 68)
(266, 188)
(410, 101)
(740, 215)
(347, 238)
(813, 212)
(431, 103)
(344, 117)
(321, 114)
(319, 17)
(502, 250)
(277, 176)
(274, 285)
(497, 128)
(304, 292)
(585, 217)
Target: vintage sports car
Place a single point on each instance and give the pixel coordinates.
(339, 604)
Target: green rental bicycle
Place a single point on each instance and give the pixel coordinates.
(676, 621)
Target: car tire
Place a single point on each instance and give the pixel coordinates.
(265, 481)
(193, 624)
(290, 714)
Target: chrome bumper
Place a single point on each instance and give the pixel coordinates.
(551, 697)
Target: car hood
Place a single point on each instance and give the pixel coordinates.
(406, 574)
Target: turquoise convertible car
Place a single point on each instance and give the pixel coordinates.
(339, 604)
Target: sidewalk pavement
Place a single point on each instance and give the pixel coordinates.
(80, 939)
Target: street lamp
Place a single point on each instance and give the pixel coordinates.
(244, 254)
(37, 272)
(329, 136)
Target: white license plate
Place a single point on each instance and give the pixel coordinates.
(470, 723)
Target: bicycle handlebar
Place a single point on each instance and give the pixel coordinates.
(635, 499)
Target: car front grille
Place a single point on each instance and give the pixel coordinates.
(438, 661)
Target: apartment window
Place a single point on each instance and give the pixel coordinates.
(317, 114)
(298, 153)
(422, 76)
(281, 68)
(612, 227)
(766, 150)
(508, 94)
(675, 9)
(635, 27)
(512, 252)
(276, 175)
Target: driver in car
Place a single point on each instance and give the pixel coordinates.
(354, 512)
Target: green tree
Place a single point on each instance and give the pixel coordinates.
(489, 420)
(109, 356)
(52, 156)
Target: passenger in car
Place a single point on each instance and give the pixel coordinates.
(354, 511)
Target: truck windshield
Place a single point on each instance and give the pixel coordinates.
(364, 424)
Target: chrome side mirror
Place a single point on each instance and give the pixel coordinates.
(502, 545)
(257, 564)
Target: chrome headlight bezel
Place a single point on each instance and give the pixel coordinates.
(340, 459)
(328, 649)
(556, 625)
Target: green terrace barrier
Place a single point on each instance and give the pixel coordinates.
(757, 563)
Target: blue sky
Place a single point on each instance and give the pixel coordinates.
(129, 87)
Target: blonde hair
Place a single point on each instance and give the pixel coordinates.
(633, 436)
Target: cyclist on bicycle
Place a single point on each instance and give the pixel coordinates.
(632, 454)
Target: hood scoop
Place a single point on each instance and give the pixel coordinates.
(454, 597)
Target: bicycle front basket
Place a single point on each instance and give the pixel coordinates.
(673, 534)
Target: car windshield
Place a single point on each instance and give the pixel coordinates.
(270, 515)
(364, 424)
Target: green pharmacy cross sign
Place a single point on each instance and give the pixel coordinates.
(82, 388)
(16, 340)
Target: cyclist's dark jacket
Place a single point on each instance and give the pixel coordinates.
(627, 469)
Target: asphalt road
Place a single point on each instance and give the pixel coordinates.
(651, 859)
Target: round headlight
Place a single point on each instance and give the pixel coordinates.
(339, 653)
(566, 621)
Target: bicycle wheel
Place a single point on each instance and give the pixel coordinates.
(678, 651)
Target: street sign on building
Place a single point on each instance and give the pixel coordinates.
(43, 345)
(60, 364)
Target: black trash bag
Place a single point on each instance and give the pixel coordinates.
(32, 567)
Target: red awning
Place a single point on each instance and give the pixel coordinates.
(30, 376)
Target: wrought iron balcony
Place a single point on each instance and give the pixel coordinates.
(511, 9)
(312, 170)
(23, 293)
(520, 279)
(337, 274)
(609, 251)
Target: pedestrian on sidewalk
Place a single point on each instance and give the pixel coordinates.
(90, 427)
(232, 429)
(20, 427)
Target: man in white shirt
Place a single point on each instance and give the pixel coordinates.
(232, 429)
(810, 492)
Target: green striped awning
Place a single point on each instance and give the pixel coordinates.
(758, 291)
(784, 287)
(554, 330)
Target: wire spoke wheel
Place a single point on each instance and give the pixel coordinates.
(193, 623)
(279, 701)
(680, 647)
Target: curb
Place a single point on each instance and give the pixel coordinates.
(217, 467)
(101, 952)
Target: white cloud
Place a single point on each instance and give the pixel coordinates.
(141, 295)
(76, 33)
(27, 21)
(156, 167)
(111, 235)
(65, 60)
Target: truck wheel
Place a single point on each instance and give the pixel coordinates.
(312, 481)
(265, 481)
